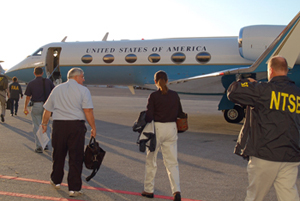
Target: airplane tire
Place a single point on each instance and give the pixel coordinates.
(234, 115)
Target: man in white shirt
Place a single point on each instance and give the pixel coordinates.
(71, 104)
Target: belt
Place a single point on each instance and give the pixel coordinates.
(83, 121)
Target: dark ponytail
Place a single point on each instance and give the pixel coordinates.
(161, 79)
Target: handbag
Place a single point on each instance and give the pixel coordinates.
(93, 157)
(182, 123)
(8, 104)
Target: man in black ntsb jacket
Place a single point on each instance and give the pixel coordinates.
(271, 137)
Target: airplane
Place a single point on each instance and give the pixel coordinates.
(2, 71)
(203, 66)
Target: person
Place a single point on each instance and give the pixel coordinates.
(3, 92)
(37, 92)
(15, 91)
(272, 134)
(163, 107)
(71, 104)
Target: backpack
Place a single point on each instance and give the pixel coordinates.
(3, 82)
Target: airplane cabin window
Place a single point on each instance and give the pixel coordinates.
(131, 58)
(38, 52)
(203, 57)
(154, 58)
(87, 59)
(108, 58)
(178, 57)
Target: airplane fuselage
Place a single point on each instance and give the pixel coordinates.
(178, 57)
(133, 63)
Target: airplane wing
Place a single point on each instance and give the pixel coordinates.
(287, 44)
(2, 71)
(215, 74)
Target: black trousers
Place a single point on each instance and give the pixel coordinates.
(68, 137)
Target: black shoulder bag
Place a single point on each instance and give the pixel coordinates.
(93, 157)
(44, 90)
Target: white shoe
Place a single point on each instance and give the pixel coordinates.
(75, 193)
(56, 186)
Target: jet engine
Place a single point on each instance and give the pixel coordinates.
(254, 40)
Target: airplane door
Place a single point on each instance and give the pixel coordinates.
(52, 64)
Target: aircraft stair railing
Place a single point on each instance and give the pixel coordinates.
(56, 80)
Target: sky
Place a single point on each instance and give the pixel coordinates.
(28, 25)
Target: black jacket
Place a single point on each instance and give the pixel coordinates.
(274, 126)
(15, 90)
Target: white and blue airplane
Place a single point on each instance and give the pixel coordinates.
(2, 71)
(194, 65)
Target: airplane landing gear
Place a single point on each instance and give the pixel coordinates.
(234, 115)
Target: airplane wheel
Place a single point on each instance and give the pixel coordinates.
(234, 115)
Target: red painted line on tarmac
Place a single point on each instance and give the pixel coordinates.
(93, 188)
(35, 196)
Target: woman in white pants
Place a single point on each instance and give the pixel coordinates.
(163, 107)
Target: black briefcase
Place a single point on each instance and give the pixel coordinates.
(8, 104)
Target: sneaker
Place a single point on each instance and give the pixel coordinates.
(39, 150)
(148, 195)
(46, 147)
(75, 193)
(177, 196)
(2, 117)
(12, 115)
(56, 186)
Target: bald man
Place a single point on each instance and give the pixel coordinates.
(271, 139)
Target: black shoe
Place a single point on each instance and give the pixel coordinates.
(39, 150)
(15, 114)
(2, 117)
(177, 196)
(148, 195)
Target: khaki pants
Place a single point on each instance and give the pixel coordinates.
(3, 101)
(37, 116)
(262, 174)
(166, 139)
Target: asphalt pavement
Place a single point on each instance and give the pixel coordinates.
(208, 168)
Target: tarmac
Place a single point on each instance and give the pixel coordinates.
(208, 168)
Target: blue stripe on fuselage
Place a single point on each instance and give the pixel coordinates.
(140, 75)
(137, 75)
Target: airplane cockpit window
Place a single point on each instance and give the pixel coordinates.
(178, 57)
(131, 58)
(108, 58)
(38, 52)
(154, 58)
(203, 57)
